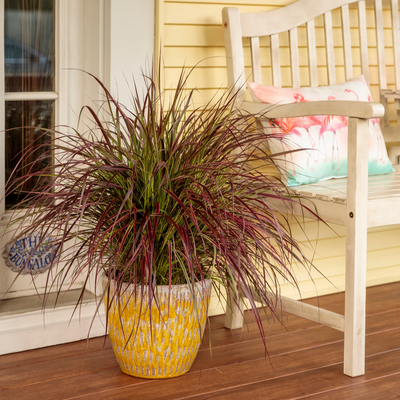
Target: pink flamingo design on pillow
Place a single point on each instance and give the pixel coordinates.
(286, 127)
(306, 123)
(334, 124)
(374, 125)
(299, 98)
(328, 123)
(291, 125)
(352, 91)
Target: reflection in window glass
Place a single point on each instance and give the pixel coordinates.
(29, 45)
(33, 116)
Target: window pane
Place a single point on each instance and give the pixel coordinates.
(29, 45)
(32, 115)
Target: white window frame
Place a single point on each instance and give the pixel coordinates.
(24, 96)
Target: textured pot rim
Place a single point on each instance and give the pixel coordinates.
(205, 282)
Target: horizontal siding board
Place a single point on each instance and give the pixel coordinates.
(199, 78)
(203, 96)
(330, 267)
(208, 78)
(207, 56)
(176, 57)
(219, 80)
(318, 230)
(212, 35)
(336, 246)
(203, 14)
(322, 286)
(193, 35)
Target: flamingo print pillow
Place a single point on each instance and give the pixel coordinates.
(323, 138)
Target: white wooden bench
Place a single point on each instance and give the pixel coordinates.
(358, 202)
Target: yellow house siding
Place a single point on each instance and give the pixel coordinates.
(191, 34)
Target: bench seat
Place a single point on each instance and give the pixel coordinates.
(383, 194)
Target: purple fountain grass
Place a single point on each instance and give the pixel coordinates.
(162, 194)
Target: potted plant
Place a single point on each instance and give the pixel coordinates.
(158, 202)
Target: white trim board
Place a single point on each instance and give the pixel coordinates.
(31, 330)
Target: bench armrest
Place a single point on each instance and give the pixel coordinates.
(356, 109)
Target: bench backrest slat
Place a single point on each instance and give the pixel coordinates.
(294, 57)
(255, 59)
(380, 44)
(330, 49)
(348, 58)
(275, 60)
(396, 41)
(362, 26)
(312, 54)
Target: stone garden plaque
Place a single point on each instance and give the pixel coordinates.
(26, 256)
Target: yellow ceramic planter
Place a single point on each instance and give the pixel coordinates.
(168, 345)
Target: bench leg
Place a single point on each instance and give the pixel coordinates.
(356, 248)
(233, 311)
(355, 299)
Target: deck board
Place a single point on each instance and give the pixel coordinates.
(305, 362)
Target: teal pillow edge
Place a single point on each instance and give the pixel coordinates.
(303, 179)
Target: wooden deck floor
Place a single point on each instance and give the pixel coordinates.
(305, 363)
